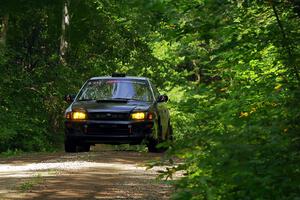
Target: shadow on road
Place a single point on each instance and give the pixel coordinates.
(94, 175)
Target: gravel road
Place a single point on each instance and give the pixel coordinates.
(100, 174)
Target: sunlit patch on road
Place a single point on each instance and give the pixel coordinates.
(93, 175)
(69, 165)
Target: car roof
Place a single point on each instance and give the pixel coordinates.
(126, 77)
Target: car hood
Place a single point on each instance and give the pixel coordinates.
(91, 106)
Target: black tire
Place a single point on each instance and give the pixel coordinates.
(170, 133)
(151, 144)
(84, 148)
(70, 146)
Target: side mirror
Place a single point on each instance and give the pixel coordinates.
(69, 98)
(162, 98)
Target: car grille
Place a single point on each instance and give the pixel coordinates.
(108, 116)
(108, 129)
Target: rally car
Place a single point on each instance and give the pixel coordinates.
(116, 109)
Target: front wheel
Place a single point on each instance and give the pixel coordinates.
(170, 133)
(84, 148)
(151, 144)
(70, 146)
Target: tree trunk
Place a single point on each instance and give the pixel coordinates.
(4, 28)
(285, 43)
(64, 26)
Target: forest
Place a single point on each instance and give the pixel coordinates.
(230, 68)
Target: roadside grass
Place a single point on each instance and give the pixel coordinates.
(54, 172)
(16, 153)
(170, 182)
(128, 147)
(120, 147)
(32, 182)
(11, 153)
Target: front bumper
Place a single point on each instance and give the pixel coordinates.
(108, 132)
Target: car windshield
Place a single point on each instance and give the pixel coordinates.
(116, 89)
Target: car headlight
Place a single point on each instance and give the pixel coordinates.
(77, 115)
(138, 115)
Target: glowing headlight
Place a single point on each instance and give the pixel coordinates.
(138, 115)
(79, 115)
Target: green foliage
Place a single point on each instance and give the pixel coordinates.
(231, 69)
(33, 81)
(236, 124)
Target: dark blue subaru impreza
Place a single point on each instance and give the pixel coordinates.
(116, 109)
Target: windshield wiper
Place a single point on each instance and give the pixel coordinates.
(112, 100)
(129, 99)
(86, 99)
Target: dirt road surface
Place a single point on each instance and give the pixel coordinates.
(102, 174)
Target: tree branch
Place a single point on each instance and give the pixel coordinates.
(285, 41)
